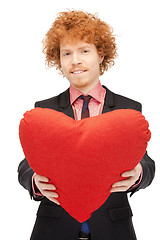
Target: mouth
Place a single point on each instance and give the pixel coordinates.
(78, 71)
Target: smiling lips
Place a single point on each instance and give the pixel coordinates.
(78, 71)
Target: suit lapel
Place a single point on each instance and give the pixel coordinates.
(69, 111)
(109, 101)
(66, 108)
(65, 104)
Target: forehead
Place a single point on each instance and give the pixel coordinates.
(66, 44)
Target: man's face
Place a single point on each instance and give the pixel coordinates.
(80, 63)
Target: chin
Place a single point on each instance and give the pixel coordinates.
(80, 84)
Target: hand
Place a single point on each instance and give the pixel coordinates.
(46, 188)
(131, 177)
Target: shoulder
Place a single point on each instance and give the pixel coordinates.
(47, 102)
(128, 102)
(53, 102)
(120, 101)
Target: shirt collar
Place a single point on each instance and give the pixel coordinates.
(97, 93)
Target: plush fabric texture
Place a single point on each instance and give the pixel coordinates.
(83, 158)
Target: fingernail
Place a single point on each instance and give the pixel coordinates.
(123, 175)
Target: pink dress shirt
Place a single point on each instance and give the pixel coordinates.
(95, 104)
(95, 108)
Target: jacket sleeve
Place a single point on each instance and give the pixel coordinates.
(25, 173)
(148, 166)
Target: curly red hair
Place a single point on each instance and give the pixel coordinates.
(79, 25)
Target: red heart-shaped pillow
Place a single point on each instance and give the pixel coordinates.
(83, 158)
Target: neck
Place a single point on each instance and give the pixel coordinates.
(85, 90)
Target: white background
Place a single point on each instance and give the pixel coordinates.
(24, 80)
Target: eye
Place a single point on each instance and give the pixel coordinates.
(85, 51)
(67, 54)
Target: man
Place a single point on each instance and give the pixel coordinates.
(82, 47)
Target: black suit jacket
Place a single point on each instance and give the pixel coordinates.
(113, 220)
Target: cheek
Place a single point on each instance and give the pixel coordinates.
(95, 61)
(63, 64)
(63, 67)
(95, 67)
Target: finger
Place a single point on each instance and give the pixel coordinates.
(119, 184)
(119, 189)
(127, 182)
(129, 173)
(50, 194)
(41, 178)
(46, 186)
(54, 200)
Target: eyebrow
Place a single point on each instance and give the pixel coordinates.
(68, 49)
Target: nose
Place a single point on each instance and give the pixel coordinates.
(76, 59)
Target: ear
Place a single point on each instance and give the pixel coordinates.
(101, 58)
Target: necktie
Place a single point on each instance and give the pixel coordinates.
(85, 110)
(85, 114)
